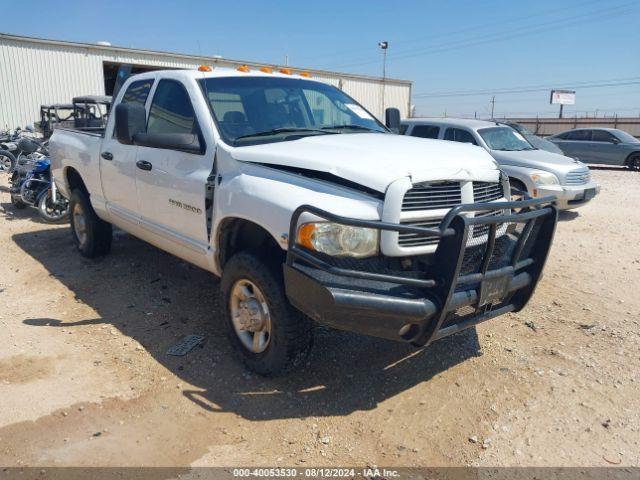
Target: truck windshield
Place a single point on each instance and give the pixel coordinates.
(254, 110)
(504, 138)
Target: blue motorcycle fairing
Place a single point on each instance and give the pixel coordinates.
(41, 166)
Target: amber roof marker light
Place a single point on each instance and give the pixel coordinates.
(205, 68)
(243, 68)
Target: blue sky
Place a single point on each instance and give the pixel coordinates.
(446, 48)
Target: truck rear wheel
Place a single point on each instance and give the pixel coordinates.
(91, 235)
(269, 335)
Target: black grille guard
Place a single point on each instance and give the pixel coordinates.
(451, 287)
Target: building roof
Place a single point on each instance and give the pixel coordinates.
(195, 58)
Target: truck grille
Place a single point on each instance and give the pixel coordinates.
(431, 196)
(487, 191)
(415, 239)
(483, 229)
(578, 177)
(443, 195)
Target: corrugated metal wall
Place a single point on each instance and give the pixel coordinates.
(35, 72)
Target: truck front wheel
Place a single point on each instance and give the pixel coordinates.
(269, 335)
(91, 235)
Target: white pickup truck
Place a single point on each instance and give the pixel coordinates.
(306, 206)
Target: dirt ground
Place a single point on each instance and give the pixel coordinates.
(85, 379)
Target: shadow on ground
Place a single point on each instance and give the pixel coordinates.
(157, 299)
(10, 212)
(567, 215)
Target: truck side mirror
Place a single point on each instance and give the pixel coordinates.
(131, 119)
(392, 119)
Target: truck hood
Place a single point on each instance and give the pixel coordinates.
(374, 160)
(538, 159)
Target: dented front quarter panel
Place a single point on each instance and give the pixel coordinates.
(268, 197)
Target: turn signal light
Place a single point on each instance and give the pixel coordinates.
(243, 68)
(286, 71)
(305, 233)
(205, 68)
(266, 70)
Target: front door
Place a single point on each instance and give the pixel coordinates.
(117, 163)
(604, 148)
(172, 184)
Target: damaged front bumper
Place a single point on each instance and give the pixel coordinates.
(469, 279)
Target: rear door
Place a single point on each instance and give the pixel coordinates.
(172, 183)
(117, 162)
(576, 144)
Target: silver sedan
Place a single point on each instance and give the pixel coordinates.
(608, 146)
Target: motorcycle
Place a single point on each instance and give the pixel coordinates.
(32, 184)
(10, 151)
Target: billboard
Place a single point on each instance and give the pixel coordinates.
(563, 97)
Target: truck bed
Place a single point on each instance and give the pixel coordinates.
(78, 150)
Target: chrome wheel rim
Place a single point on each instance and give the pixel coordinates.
(5, 162)
(52, 210)
(250, 316)
(79, 224)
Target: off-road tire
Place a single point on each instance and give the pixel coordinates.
(98, 232)
(291, 331)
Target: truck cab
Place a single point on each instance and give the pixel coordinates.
(308, 208)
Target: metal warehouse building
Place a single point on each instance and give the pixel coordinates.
(36, 71)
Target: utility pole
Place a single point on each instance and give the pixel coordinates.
(384, 46)
(493, 105)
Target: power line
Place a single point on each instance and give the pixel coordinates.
(616, 82)
(465, 31)
(589, 17)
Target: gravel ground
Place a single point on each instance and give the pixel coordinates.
(85, 378)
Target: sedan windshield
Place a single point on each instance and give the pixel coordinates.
(504, 138)
(254, 110)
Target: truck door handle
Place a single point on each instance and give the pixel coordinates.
(107, 155)
(144, 165)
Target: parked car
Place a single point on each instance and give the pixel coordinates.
(537, 172)
(538, 142)
(608, 146)
(306, 206)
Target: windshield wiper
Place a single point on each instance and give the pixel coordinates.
(276, 131)
(353, 126)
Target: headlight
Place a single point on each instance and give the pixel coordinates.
(338, 240)
(544, 178)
